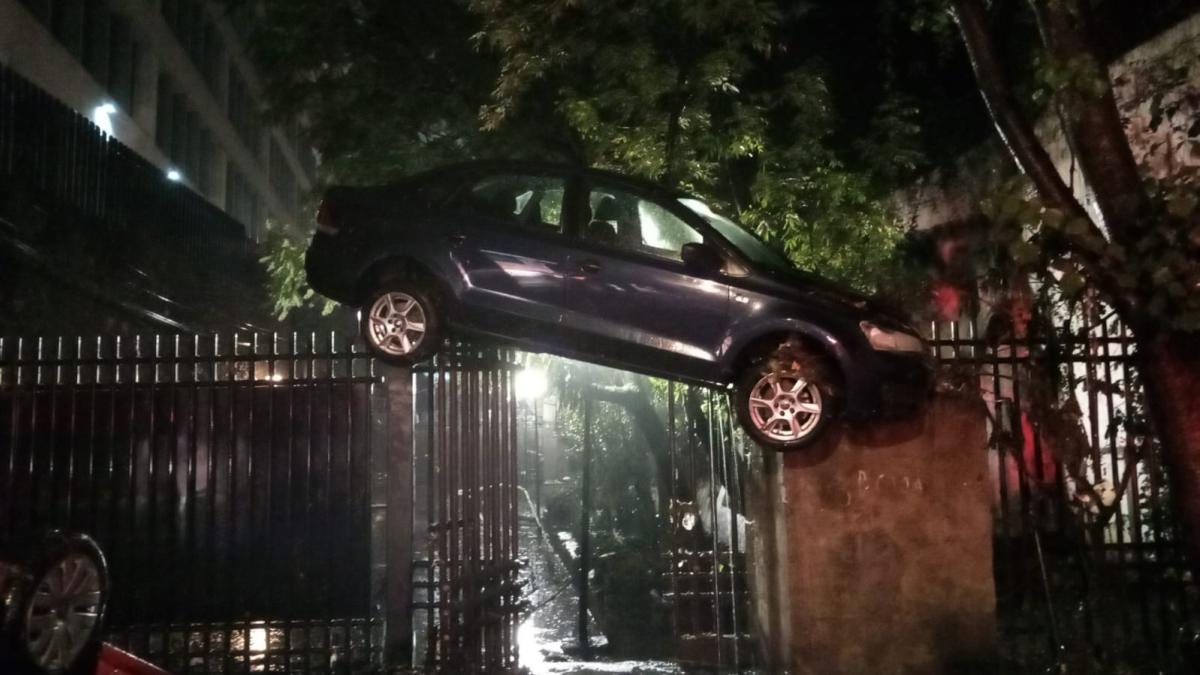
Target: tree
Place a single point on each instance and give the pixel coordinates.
(716, 97)
(706, 96)
(1140, 253)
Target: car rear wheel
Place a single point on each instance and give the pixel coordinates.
(785, 400)
(62, 611)
(400, 323)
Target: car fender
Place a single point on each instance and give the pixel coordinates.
(411, 244)
(741, 336)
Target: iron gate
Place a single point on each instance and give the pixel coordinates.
(467, 597)
(707, 531)
(635, 515)
(257, 495)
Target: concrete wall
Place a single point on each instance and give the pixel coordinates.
(881, 558)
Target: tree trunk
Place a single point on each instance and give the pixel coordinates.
(1092, 118)
(1171, 373)
(1023, 144)
(1015, 130)
(637, 402)
(1170, 363)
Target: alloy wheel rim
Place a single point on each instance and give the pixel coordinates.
(396, 323)
(785, 407)
(63, 613)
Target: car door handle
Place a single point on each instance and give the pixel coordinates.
(589, 266)
(456, 239)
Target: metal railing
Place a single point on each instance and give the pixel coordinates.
(255, 496)
(466, 593)
(229, 480)
(58, 161)
(89, 222)
(1088, 562)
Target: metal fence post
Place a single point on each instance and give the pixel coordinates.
(398, 647)
(585, 526)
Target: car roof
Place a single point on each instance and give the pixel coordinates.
(487, 166)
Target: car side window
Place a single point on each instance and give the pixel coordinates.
(626, 221)
(526, 201)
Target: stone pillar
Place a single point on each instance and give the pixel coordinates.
(887, 566)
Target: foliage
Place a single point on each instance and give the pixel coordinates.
(1159, 269)
(386, 88)
(1135, 249)
(716, 97)
(700, 95)
(287, 282)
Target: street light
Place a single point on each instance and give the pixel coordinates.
(102, 117)
(530, 384)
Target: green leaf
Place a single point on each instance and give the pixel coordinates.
(1023, 252)
(1072, 283)
(1182, 203)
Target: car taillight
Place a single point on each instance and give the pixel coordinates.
(327, 220)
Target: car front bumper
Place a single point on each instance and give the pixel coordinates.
(891, 385)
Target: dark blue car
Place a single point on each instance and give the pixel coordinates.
(601, 267)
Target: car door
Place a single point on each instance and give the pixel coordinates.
(509, 250)
(628, 293)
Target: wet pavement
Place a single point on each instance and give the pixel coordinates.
(548, 638)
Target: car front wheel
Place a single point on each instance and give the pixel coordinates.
(786, 400)
(400, 323)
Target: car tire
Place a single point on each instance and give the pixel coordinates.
(786, 398)
(401, 323)
(60, 616)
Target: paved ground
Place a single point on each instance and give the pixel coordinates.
(548, 638)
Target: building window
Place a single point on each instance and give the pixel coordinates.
(97, 36)
(122, 59)
(67, 25)
(242, 112)
(162, 122)
(241, 202)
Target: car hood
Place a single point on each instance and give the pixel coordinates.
(811, 286)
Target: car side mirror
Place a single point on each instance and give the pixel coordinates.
(701, 257)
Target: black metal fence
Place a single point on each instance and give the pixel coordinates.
(271, 503)
(707, 573)
(466, 592)
(228, 479)
(91, 233)
(1089, 568)
(59, 160)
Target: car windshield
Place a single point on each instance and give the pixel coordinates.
(742, 239)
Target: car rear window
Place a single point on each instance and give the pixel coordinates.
(527, 201)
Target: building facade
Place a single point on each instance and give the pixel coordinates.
(172, 80)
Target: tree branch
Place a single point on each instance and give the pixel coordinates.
(636, 401)
(1093, 121)
(1016, 131)
(1025, 147)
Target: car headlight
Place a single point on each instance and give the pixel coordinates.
(886, 340)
